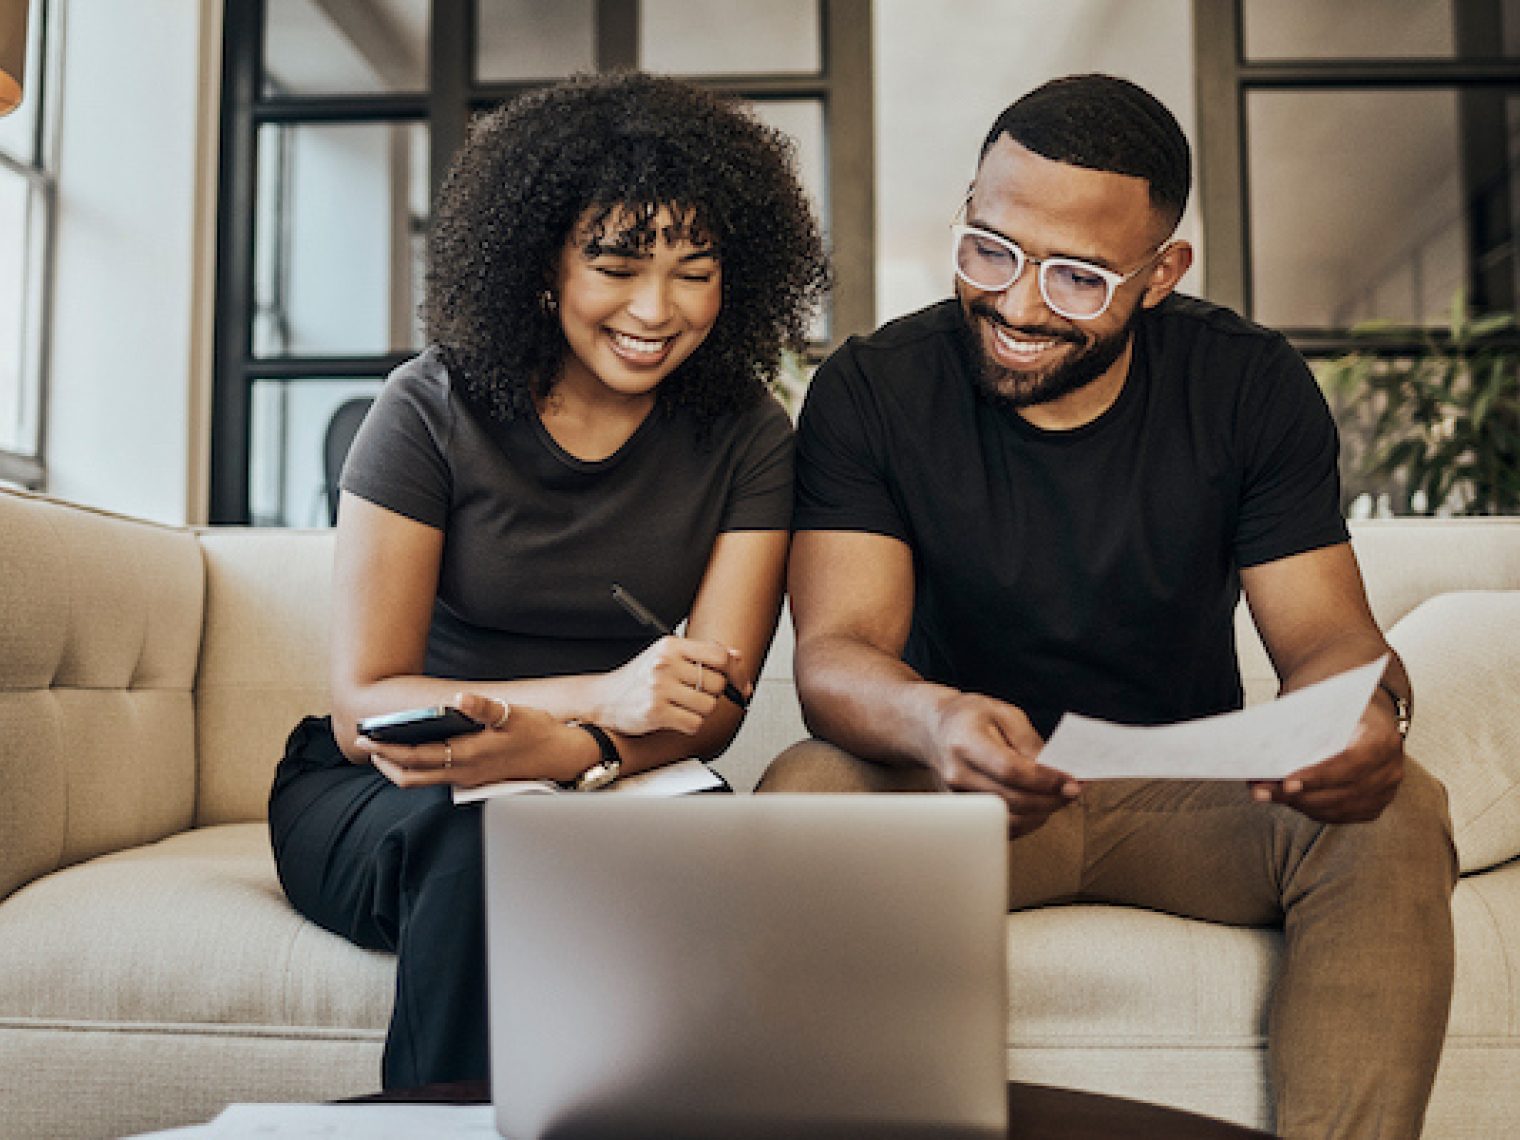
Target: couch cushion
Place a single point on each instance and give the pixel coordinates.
(1462, 651)
(193, 930)
(1485, 1000)
(263, 663)
(1128, 1001)
(1088, 974)
(100, 628)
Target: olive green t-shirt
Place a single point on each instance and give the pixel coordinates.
(534, 537)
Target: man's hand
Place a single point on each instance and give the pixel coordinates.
(1353, 787)
(983, 745)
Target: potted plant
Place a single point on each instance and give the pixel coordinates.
(1432, 420)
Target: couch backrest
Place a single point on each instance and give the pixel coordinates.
(100, 630)
(1404, 562)
(111, 683)
(263, 661)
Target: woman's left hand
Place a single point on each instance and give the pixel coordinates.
(516, 744)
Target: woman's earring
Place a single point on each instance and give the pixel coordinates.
(548, 303)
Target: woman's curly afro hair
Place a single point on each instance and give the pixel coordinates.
(622, 146)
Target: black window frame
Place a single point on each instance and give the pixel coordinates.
(842, 85)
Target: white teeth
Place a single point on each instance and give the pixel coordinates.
(1016, 347)
(637, 344)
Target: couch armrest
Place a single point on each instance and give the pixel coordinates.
(100, 625)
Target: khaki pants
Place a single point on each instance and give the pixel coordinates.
(1358, 1016)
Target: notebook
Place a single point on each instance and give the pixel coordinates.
(677, 778)
(747, 966)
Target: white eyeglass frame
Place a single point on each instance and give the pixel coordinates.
(1110, 278)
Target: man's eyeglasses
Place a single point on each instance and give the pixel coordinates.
(1077, 290)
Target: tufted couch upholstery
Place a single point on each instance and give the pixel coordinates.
(151, 971)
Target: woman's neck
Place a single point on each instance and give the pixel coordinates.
(592, 422)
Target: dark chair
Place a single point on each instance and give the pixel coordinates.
(335, 443)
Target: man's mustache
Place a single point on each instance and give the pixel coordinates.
(1033, 332)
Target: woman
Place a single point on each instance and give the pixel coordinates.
(615, 267)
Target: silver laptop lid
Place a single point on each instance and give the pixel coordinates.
(735, 966)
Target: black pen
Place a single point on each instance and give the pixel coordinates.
(642, 615)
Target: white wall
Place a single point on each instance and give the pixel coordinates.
(127, 363)
(943, 73)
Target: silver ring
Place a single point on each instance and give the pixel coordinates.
(448, 753)
(502, 719)
(700, 676)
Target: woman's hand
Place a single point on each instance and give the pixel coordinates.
(518, 743)
(674, 684)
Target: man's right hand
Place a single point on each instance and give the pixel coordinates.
(984, 745)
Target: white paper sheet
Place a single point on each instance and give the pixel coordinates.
(1263, 742)
(354, 1122)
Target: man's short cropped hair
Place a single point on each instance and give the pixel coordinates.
(1103, 123)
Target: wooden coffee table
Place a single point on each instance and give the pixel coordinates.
(1033, 1111)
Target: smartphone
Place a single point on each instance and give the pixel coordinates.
(419, 726)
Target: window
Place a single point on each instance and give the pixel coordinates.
(1356, 160)
(340, 117)
(28, 193)
(1357, 163)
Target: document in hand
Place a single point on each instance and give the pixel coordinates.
(678, 778)
(1263, 742)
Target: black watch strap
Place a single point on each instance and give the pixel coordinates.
(606, 769)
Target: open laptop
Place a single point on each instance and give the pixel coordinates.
(747, 966)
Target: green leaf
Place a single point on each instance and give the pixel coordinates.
(1490, 324)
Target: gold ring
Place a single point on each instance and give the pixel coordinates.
(448, 753)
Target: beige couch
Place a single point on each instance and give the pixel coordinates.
(151, 971)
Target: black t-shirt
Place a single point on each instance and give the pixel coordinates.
(1094, 570)
(534, 537)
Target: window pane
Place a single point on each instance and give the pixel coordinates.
(1350, 29)
(339, 238)
(358, 47)
(1357, 205)
(20, 302)
(1380, 29)
(730, 37)
(18, 130)
(803, 120)
(534, 39)
(291, 477)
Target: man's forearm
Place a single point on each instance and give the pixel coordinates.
(867, 702)
(1333, 657)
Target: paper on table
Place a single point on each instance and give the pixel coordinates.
(1263, 742)
(355, 1121)
(678, 778)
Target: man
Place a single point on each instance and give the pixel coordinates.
(1048, 495)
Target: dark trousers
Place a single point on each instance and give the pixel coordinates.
(395, 869)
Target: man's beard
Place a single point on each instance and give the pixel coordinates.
(1022, 390)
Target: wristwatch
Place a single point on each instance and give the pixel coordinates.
(606, 769)
(1400, 711)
